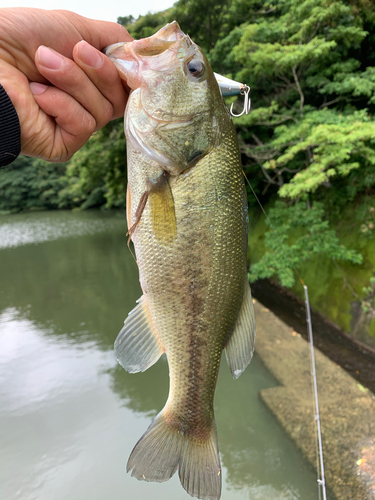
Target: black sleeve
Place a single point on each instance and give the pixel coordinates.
(10, 130)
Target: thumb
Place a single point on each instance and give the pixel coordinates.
(100, 34)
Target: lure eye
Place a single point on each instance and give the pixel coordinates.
(196, 68)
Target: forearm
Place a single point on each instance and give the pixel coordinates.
(17, 87)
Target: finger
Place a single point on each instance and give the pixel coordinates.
(103, 73)
(73, 123)
(99, 34)
(66, 75)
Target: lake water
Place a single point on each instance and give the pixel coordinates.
(69, 414)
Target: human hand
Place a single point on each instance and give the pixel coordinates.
(61, 97)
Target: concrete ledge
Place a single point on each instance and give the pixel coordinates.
(347, 410)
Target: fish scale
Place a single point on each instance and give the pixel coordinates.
(188, 221)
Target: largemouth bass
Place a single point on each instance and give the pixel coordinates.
(187, 216)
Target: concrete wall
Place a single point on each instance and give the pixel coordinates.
(347, 410)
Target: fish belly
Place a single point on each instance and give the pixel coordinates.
(193, 286)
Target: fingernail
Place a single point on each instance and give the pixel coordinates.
(49, 58)
(89, 55)
(37, 88)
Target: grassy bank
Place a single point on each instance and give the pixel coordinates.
(341, 291)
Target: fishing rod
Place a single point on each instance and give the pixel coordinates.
(320, 462)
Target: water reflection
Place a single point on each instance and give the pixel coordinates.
(72, 414)
(22, 229)
(83, 286)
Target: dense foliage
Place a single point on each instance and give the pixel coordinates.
(310, 135)
(310, 138)
(97, 173)
(29, 184)
(94, 177)
(308, 143)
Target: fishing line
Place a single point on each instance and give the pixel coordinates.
(261, 206)
(346, 282)
(314, 386)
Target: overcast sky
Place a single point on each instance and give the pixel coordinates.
(96, 9)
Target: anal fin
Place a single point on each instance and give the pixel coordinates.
(136, 346)
(240, 347)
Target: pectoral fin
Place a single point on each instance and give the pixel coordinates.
(163, 217)
(162, 211)
(136, 347)
(240, 347)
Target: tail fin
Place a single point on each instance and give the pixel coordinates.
(163, 449)
(199, 469)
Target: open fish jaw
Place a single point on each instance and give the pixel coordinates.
(157, 52)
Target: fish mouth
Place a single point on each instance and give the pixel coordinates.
(127, 57)
(170, 32)
(156, 52)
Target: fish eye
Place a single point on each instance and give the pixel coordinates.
(195, 67)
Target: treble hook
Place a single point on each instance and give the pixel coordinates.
(245, 91)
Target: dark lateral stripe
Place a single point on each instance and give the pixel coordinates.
(10, 130)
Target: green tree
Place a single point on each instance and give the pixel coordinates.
(94, 177)
(311, 133)
(97, 173)
(29, 183)
(147, 25)
(297, 234)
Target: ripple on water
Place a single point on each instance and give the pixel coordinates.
(23, 229)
